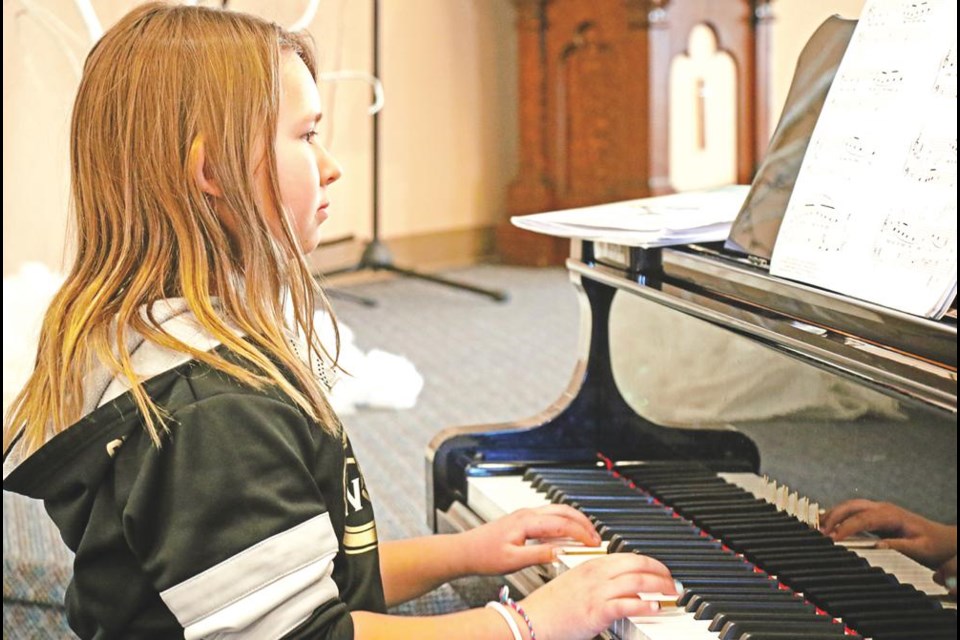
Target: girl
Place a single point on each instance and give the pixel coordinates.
(176, 424)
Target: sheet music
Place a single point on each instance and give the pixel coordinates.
(678, 218)
(874, 210)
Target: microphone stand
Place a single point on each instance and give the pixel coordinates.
(376, 255)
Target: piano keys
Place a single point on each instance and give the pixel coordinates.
(723, 584)
(776, 359)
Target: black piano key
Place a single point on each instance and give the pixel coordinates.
(881, 617)
(666, 526)
(844, 589)
(920, 626)
(766, 556)
(607, 533)
(783, 597)
(694, 495)
(828, 571)
(663, 470)
(776, 566)
(811, 582)
(892, 602)
(636, 511)
(807, 537)
(620, 502)
(564, 472)
(914, 635)
(618, 514)
(719, 562)
(596, 477)
(656, 531)
(868, 605)
(625, 546)
(674, 554)
(556, 494)
(784, 524)
(697, 510)
(651, 482)
(738, 575)
(787, 635)
(716, 522)
(807, 629)
(708, 591)
(761, 556)
(708, 610)
(721, 581)
(650, 547)
(722, 619)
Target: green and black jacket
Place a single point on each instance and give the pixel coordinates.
(250, 521)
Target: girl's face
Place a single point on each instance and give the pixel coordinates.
(304, 168)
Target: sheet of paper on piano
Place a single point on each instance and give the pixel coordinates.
(873, 213)
(680, 218)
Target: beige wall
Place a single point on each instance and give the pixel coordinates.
(449, 125)
(796, 20)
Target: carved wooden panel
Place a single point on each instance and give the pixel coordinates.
(595, 101)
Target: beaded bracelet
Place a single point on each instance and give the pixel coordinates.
(510, 602)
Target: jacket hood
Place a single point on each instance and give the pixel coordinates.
(101, 385)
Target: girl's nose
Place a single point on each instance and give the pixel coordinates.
(330, 170)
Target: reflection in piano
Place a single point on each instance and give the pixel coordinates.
(659, 456)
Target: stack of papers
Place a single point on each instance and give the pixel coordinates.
(680, 218)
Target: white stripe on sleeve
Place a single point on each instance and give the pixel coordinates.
(263, 591)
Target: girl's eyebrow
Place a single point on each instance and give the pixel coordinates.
(313, 118)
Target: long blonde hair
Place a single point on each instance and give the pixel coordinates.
(163, 81)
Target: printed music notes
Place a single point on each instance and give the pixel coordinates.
(873, 213)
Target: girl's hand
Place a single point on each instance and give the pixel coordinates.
(500, 546)
(928, 542)
(584, 601)
(947, 575)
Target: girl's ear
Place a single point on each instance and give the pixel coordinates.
(201, 173)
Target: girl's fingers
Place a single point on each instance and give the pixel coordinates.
(635, 583)
(867, 520)
(545, 525)
(628, 607)
(843, 511)
(581, 527)
(631, 563)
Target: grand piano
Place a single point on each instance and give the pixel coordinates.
(685, 352)
(690, 358)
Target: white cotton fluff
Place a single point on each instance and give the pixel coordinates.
(26, 296)
(376, 379)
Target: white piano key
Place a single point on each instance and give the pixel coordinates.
(803, 510)
(492, 497)
(761, 486)
(904, 568)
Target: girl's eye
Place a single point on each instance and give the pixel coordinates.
(310, 136)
